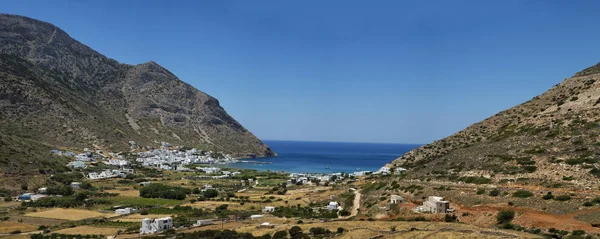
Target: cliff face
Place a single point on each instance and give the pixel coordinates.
(57, 92)
(553, 136)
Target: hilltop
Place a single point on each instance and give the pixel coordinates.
(553, 137)
(56, 92)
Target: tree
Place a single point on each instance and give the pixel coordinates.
(211, 193)
(280, 235)
(296, 232)
(505, 216)
(495, 192)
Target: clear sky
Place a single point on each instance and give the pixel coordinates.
(354, 71)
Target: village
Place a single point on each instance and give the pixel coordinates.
(160, 190)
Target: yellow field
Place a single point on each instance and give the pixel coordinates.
(69, 214)
(90, 230)
(7, 227)
(138, 217)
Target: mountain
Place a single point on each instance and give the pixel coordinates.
(56, 92)
(554, 137)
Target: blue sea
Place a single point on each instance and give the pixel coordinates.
(326, 157)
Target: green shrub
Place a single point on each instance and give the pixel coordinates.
(522, 194)
(495, 192)
(505, 216)
(562, 198)
(588, 204)
(548, 196)
(480, 191)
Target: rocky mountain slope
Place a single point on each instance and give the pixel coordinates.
(57, 92)
(554, 137)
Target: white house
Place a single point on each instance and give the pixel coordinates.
(268, 209)
(76, 164)
(127, 210)
(76, 185)
(117, 162)
(333, 206)
(395, 199)
(383, 170)
(209, 170)
(434, 205)
(160, 224)
(256, 217)
(42, 190)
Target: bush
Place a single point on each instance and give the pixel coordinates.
(505, 216)
(319, 231)
(548, 196)
(211, 193)
(495, 192)
(340, 230)
(156, 190)
(16, 232)
(480, 191)
(450, 218)
(295, 232)
(280, 235)
(578, 233)
(522, 194)
(562, 198)
(588, 204)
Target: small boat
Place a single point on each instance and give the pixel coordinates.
(326, 167)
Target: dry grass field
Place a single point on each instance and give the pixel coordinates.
(83, 230)
(362, 229)
(8, 226)
(125, 192)
(69, 214)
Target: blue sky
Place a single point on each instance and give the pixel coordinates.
(352, 71)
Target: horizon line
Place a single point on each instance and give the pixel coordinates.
(350, 142)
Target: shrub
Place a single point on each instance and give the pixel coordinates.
(211, 193)
(548, 196)
(340, 230)
(505, 216)
(495, 192)
(280, 235)
(156, 190)
(578, 233)
(562, 198)
(450, 218)
(480, 191)
(16, 232)
(319, 231)
(588, 204)
(522, 194)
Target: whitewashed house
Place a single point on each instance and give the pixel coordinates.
(434, 205)
(395, 199)
(150, 226)
(256, 217)
(127, 210)
(204, 222)
(333, 206)
(268, 209)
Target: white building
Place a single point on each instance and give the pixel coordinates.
(127, 210)
(256, 217)
(42, 190)
(434, 205)
(76, 164)
(117, 162)
(268, 209)
(160, 224)
(333, 206)
(204, 222)
(395, 199)
(210, 170)
(383, 170)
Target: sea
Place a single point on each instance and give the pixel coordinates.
(325, 157)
